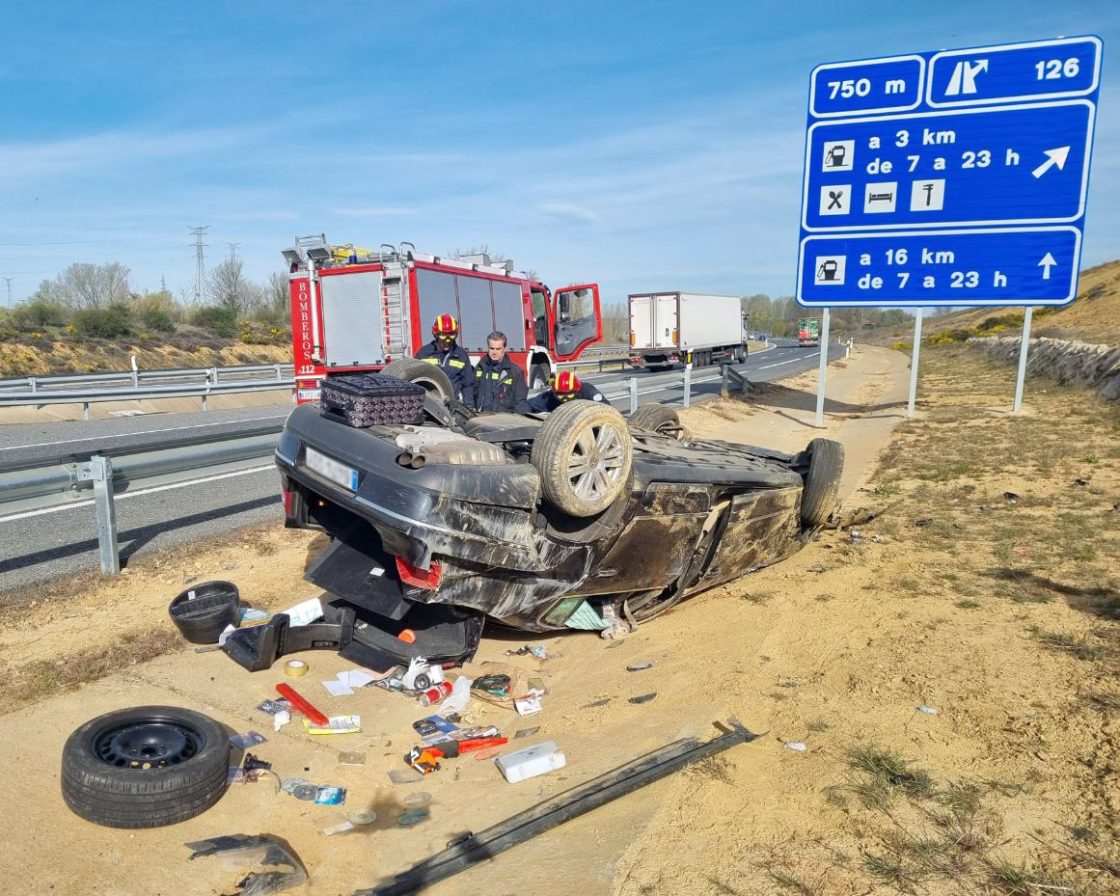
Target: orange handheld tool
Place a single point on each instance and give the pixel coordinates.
(298, 702)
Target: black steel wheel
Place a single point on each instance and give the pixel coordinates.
(145, 767)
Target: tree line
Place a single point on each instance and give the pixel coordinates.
(97, 301)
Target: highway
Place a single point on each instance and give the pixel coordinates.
(42, 545)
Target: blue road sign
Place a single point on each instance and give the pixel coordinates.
(969, 156)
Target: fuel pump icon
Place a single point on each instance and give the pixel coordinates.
(829, 270)
(835, 156)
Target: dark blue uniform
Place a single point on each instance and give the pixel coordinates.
(456, 363)
(500, 386)
(547, 401)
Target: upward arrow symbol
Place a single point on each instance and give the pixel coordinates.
(1053, 157)
(1048, 261)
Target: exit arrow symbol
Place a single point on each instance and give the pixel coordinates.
(1048, 261)
(1053, 157)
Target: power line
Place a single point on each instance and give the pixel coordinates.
(232, 249)
(200, 259)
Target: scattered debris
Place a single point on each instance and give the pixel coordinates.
(1081, 482)
(435, 693)
(418, 800)
(459, 698)
(334, 823)
(361, 817)
(923, 521)
(274, 707)
(334, 725)
(405, 776)
(795, 745)
(928, 710)
(526, 732)
(295, 668)
(249, 739)
(413, 816)
(1011, 498)
(300, 704)
(639, 667)
(351, 757)
(532, 761)
(539, 652)
(597, 703)
(246, 850)
(330, 795)
(643, 698)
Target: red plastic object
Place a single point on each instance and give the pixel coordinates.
(422, 578)
(298, 702)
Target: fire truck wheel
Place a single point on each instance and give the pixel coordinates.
(432, 378)
(583, 455)
(822, 483)
(145, 767)
(659, 418)
(539, 376)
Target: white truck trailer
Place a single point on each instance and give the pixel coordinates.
(668, 328)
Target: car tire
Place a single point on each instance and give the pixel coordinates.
(145, 767)
(659, 418)
(822, 482)
(583, 455)
(539, 375)
(430, 376)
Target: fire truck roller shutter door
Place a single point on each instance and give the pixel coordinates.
(436, 296)
(509, 313)
(476, 315)
(352, 326)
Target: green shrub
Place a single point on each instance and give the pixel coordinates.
(219, 320)
(157, 319)
(38, 313)
(104, 323)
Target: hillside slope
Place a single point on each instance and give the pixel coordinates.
(1093, 317)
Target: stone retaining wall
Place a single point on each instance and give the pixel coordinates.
(1070, 363)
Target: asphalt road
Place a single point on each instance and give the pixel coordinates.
(38, 546)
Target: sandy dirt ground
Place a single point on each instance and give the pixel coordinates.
(834, 648)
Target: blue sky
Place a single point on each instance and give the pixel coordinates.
(653, 145)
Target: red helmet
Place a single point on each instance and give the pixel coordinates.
(566, 385)
(445, 325)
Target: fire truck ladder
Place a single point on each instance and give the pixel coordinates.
(394, 310)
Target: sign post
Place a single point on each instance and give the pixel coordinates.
(953, 178)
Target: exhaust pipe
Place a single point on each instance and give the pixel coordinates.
(405, 458)
(417, 462)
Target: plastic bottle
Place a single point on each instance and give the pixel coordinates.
(532, 761)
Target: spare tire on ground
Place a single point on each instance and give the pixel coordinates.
(431, 376)
(821, 495)
(145, 767)
(660, 418)
(583, 455)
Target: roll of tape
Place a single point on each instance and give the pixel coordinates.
(295, 668)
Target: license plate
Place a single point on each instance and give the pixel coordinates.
(331, 469)
(308, 394)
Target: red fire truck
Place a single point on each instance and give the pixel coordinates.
(354, 309)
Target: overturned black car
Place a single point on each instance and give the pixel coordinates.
(443, 519)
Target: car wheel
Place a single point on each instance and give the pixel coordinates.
(822, 482)
(659, 418)
(430, 376)
(145, 767)
(539, 376)
(583, 456)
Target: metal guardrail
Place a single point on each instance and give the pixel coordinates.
(213, 375)
(100, 476)
(86, 397)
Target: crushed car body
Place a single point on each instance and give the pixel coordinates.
(452, 518)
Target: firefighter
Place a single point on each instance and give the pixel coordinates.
(456, 363)
(499, 384)
(564, 387)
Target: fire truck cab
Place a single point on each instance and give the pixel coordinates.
(354, 309)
